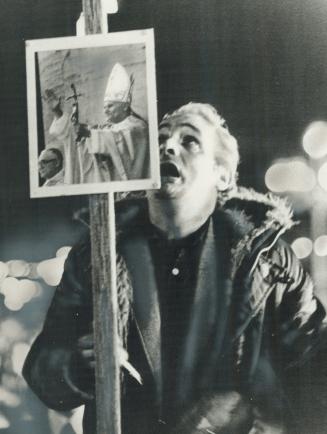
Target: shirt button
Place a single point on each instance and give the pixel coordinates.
(175, 271)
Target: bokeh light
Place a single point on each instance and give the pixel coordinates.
(13, 304)
(18, 268)
(51, 270)
(3, 270)
(29, 289)
(302, 247)
(12, 329)
(315, 139)
(8, 398)
(4, 344)
(320, 246)
(63, 251)
(292, 175)
(19, 353)
(9, 285)
(322, 176)
(4, 422)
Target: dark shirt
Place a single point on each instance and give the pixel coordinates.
(176, 266)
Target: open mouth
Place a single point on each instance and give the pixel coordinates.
(169, 170)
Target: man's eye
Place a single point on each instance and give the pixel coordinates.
(162, 138)
(191, 142)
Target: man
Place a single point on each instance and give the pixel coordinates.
(216, 313)
(51, 167)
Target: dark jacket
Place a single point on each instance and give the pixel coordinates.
(255, 319)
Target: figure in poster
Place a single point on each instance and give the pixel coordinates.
(50, 165)
(217, 315)
(117, 150)
(61, 130)
(121, 145)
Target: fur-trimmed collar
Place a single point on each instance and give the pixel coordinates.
(251, 215)
(248, 216)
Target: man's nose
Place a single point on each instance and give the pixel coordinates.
(169, 147)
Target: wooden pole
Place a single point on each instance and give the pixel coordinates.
(95, 19)
(105, 306)
(105, 312)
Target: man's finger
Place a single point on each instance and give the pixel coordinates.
(86, 342)
(87, 354)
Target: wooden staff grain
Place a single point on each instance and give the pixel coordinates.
(93, 16)
(105, 306)
(105, 311)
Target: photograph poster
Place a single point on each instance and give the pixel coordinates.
(92, 114)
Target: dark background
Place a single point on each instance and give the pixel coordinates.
(261, 63)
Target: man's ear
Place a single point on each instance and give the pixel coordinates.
(223, 177)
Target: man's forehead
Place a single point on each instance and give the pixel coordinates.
(188, 120)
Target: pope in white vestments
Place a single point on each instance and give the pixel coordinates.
(118, 150)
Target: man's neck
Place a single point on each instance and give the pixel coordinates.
(178, 218)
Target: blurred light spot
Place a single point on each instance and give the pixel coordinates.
(322, 176)
(4, 345)
(33, 274)
(13, 305)
(51, 270)
(11, 381)
(18, 356)
(8, 285)
(315, 139)
(8, 398)
(27, 417)
(28, 289)
(23, 291)
(320, 246)
(12, 329)
(4, 422)
(290, 175)
(63, 251)
(18, 268)
(3, 270)
(302, 247)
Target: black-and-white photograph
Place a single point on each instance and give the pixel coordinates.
(96, 97)
(191, 301)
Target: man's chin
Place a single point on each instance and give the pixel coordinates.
(170, 188)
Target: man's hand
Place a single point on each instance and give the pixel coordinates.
(81, 131)
(85, 350)
(53, 101)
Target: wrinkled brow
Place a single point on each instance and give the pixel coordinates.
(183, 124)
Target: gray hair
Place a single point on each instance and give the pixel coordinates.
(227, 152)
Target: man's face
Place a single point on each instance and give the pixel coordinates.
(115, 111)
(49, 164)
(187, 144)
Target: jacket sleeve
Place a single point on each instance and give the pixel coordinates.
(50, 368)
(302, 344)
(299, 315)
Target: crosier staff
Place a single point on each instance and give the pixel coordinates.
(81, 129)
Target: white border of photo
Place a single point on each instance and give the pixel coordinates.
(145, 36)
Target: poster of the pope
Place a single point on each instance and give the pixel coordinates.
(92, 114)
